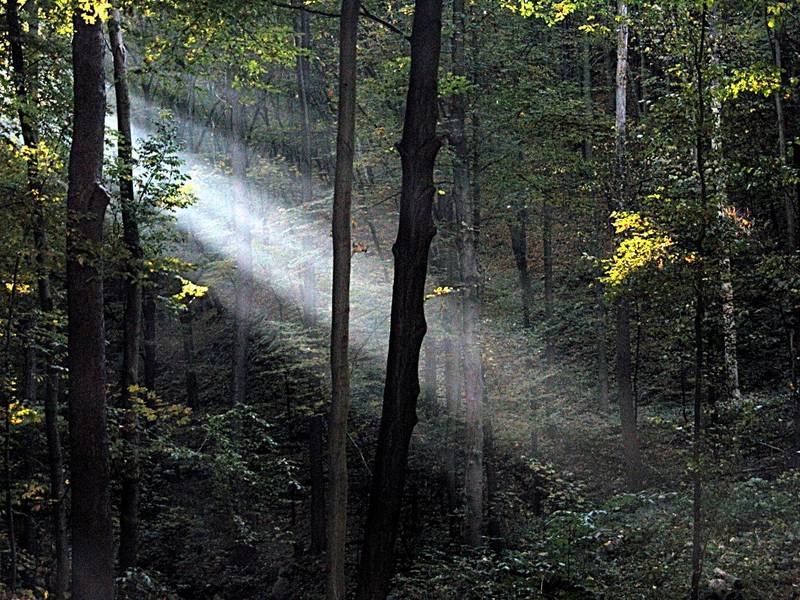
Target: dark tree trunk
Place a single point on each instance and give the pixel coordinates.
(699, 324)
(190, 379)
(8, 483)
(149, 335)
(469, 275)
(600, 232)
(129, 505)
(315, 456)
(340, 305)
(547, 256)
(430, 375)
(92, 559)
(418, 149)
(519, 246)
(630, 438)
(309, 290)
(244, 251)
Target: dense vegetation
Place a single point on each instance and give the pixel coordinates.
(400, 298)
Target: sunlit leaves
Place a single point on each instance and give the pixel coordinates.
(642, 244)
(189, 291)
(550, 11)
(760, 79)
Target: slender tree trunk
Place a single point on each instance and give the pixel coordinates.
(92, 559)
(129, 505)
(315, 454)
(29, 540)
(601, 229)
(452, 390)
(790, 209)
(418, 149)
(699, 322)
(244, 249)
(468, 262)
(547, 255)
(795, 339)
(519, 246)
(5, 367)
(309, 290)
(340, 306)
(726, 283)
(430, 374)
(25, 94)
(190, 371)
(149, 335)
(630, 438)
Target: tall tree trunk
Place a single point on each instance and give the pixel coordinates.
(5, 368)
(452, 390)
(129, 505)
(430, 375)
(149, 335)
(309, 289)
(600, 231)
(244, 249)
(795, 339)
(630, 438)
(468, 262)
(792, 242)
(418, 149)
(190, 371)
(24, 89)
(790, 210)
(340, 306)
(92, 559)
(315, 455)
(547, 256)
(720, 187)
(699, 321)
(519, 246)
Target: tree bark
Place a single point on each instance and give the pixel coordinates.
(315, 455)
(92, 559)
(149, 335)
(601, 229)
(129, 505)
(244, 249)
(630, 438)
(519, 246)
(190, 372)
(790, 210)
(24, 89)
(303, 74)
(547, 256)
(699, 321)
(5, 367)
(340, 305)
(727, 300)
(430, 375)
(468, 263)
(418, 149)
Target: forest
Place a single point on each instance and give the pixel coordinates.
(400, 299)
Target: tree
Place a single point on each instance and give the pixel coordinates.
(132, 325)
(92, 560)
(244, 248)
(24, 89)
(468, 262)
(630, 437)
(418, 149)
(303, 71)
(340, 324)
